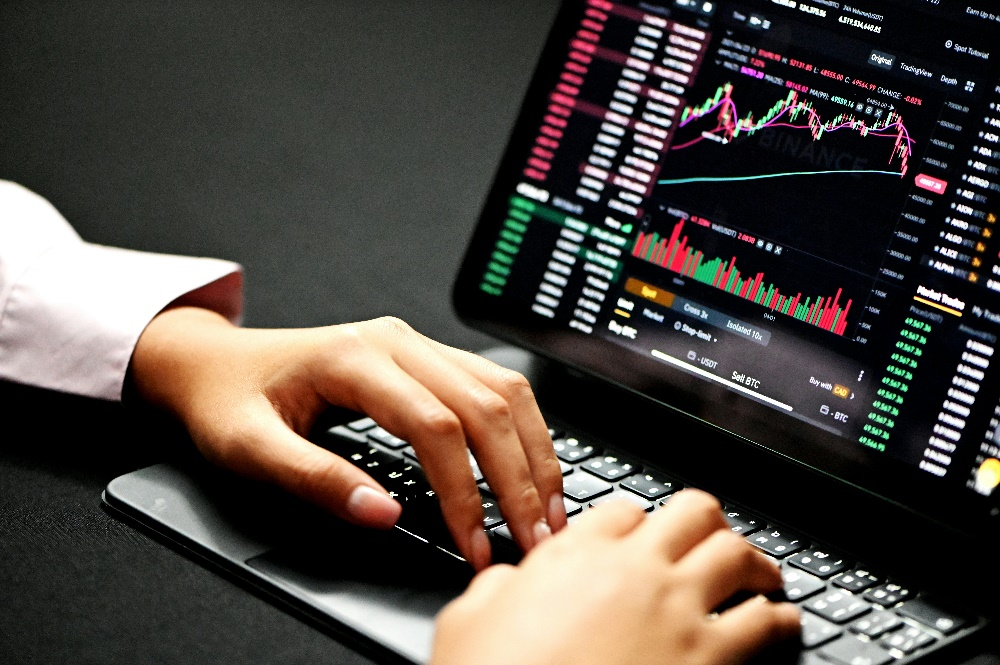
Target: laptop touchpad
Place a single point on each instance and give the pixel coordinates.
(386, 586)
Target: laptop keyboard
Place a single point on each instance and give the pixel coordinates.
(851, 614)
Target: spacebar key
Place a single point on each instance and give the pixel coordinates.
(931, 615)
(422, 517)
(849, 650)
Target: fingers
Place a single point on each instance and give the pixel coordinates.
(488, 583)
(266, 449)
(690, 517)
(724, 564)
(529, 424)
(614, 519)
(406, 407)
(752, 625)
(715, 564)
(488, 419)
(403, 381)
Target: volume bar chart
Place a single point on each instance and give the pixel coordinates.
(674, 254)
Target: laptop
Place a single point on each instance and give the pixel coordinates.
(746, 246)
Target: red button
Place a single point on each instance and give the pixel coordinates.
(931, 184)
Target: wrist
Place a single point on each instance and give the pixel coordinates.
(170, 351)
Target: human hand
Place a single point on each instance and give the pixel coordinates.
(248, 398)
(618, 587)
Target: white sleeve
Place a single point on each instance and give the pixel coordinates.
(71, 312)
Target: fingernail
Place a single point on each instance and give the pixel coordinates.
(482, 555)
(541, 531)
(557, 512)
(373, 508)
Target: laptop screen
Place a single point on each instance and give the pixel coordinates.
(778, 216)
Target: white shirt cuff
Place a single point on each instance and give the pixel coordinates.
(72, 319)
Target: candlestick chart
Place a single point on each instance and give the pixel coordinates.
(828, 312)
(809, 171)
(794, 112)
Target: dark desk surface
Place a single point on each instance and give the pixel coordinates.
(339, 150)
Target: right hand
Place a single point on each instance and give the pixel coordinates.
(617, 587)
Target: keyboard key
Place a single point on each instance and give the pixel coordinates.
(742, 522)
(816, 631)
(929, 614)
(876, 624)
(820, 563)
(811, 658)
(849, 650)
(799, 585)
(477, 475)
(573, 450)
(379, 435)
(610, 467)
(361, 425)
(572, 507)
(651, 485)
(838, 606)
(857, 580)
(566, 468)
(410, 452)
(505, 548)
(491, 513)
(777, 542)
(662, 502)
(404, 481)
(907, 641)
(584, 487)
(342, 441)
(621, 495)
(888, 594)
(372, 460)
(504, 532)
(422, 517)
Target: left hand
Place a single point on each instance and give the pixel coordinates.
(249, 397)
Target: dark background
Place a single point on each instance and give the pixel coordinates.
(339, 150)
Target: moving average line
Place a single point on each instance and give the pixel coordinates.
(682, 181)
(730, 125)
